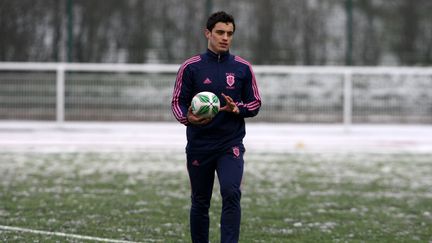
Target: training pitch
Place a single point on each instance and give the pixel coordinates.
(144, 197)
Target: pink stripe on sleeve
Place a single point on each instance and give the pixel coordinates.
(177, 89)
(254, 84)
(254, 104)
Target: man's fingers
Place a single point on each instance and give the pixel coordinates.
(196, 120)
(230, 106)
(228, 99)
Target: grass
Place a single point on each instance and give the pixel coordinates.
(286, 197)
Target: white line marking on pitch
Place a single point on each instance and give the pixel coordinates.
(82, 237)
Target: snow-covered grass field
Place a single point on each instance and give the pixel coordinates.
(99, 182)
(144, 197)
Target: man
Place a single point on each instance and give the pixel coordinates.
(216, 145)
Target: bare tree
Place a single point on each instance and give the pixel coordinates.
(294, 32)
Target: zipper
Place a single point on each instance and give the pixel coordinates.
(218, 68)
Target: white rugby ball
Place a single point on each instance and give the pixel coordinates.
(205, 104)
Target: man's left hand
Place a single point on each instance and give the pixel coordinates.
(230, 105)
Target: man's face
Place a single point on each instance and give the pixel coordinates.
(219, 39)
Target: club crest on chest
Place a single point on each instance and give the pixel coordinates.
(230, 80)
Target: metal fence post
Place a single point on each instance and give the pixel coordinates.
(60, 94)
(347, 100)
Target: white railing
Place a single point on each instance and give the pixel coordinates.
(345, 72)
(61, 68)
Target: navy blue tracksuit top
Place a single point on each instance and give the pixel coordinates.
(217, 73)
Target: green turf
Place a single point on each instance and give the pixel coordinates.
(286, 197)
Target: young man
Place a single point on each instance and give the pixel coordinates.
(216, 145)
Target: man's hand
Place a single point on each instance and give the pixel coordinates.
(196, 120)
(230, 105)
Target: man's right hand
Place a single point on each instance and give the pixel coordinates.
(196, 120)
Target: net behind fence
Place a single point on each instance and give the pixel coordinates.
(27, 95)
(388, 98)
(118, 97)
(288, 96)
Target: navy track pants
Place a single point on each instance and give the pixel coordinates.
(229, 168)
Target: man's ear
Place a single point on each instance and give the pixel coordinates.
(207, 33)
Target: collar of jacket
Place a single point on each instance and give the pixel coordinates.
(218, 57)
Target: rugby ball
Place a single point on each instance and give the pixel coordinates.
(205, 104)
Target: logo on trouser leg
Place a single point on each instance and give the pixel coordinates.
(236, 151)
(195, 163)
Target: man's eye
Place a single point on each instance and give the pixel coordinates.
(220, 32)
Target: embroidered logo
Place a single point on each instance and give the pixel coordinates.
(207, 81)
(230, 79)
(236, 151)
(195, 163)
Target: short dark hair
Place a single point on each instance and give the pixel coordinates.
(217, 17)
